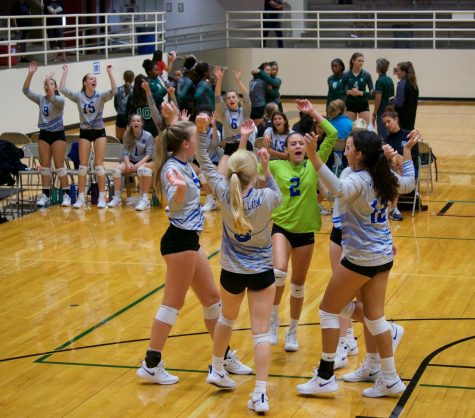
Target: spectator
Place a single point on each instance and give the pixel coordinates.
(383, 91)
(52, 8)
(407, 95)
(272, 20)
(21, 8)
(336, 82)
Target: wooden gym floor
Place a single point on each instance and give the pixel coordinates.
(79, 290)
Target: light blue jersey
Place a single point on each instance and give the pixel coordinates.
(143, 146)
(249, 253)
(186, 215)
(51, 111)
(232, 119)
(277, 141)
(366, 238)
(90, 108)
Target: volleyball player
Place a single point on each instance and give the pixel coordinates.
(90, 105)
(187, 264)
(367, 244)
(232, 114)
(52, 141)
(246, 256)
(296, 220)
(359, 88)
(137, 152)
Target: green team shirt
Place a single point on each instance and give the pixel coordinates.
(158, 91)
(299, 211)
(385, 86)
(336, 88)
(361, 81)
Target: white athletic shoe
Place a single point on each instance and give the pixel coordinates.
(273, 331)
(43, 201)
(157, 374)
(116, 201)
(352, 343)
(80, 202)
(341, 359)
(259, 402)
(384, 388)
(167, 208)
(132, 201)
(397, 331)
(143, 204)
(210, 205)
(233, 365)
(66, 201)
(362, 374)
(291, 343)
(318, 385)
(101, 203)
(220, 379)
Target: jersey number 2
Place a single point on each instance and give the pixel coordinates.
(295, 183)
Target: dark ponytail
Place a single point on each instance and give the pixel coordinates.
(384, 181)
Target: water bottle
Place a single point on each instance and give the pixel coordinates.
(73, 192)
(155, 201)
(54, 196)
(60, 195)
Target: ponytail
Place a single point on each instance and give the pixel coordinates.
(242, 170)
(384, 181)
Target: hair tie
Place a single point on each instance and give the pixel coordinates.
(233, 172)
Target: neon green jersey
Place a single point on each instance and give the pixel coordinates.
(299, 211)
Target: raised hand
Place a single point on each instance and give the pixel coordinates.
(310, 144)
(146, 87)
(263, 154)
(413, 138)
(109, 68)
(238, 74)
(389, 152)
(304, 106)
(218, 72)
(33, 66)
(247, 128)
(65, 67)
(175, 178)
(202, 123)
(184, 115)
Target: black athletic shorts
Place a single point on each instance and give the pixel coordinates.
(51, 137)
(357, 107)
(335, 236)
(92, 134)
(257, 112)
(368, 271)
(121, 121)
(296, 239)
(231, 147)
(236, 283)
(177, 240)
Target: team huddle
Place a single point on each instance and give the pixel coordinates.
(269, 194)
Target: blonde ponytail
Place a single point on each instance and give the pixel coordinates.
(242, 170)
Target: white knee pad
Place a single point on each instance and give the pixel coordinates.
(378, 326)
(62, 171)
(144, 171)
(328, 320)
(100, 170)
(261, 339)
(348, 310)
(45, 171)
(213, 311)
(116, 173)
(280, 277)
(297, 291)
(225, 321)
(202, 178)
(167, 315)
(82, 170)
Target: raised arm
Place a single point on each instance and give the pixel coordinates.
(154, 112)
(33, 66)
(238, 77)
(112, 80)
(62, 83)
(219, 75)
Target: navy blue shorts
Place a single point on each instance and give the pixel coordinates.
(368, 271)
(236, 283)
(296, 239)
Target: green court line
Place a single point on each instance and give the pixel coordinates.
(447, 386)
(116, 366)
(471, 202)
(105, 321)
